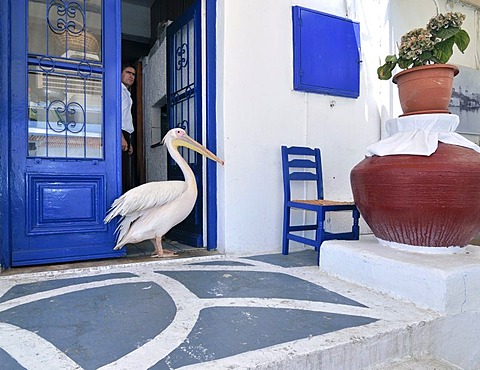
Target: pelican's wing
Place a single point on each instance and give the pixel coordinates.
(124, 225)
(143, 197)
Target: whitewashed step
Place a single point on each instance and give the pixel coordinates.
(417, 363)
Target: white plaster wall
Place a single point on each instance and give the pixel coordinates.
(259, 111)
(154, 92)
(455, 339)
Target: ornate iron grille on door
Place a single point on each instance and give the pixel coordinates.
(185, 109)
(65, 74)
(183, 89)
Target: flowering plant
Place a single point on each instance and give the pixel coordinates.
(430, 45)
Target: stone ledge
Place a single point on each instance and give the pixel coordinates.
(448, 284)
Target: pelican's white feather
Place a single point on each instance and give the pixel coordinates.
(149, 211)
(143, 197)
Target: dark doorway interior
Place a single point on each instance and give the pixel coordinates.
(134, 48)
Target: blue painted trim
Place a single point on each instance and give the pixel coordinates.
(112, 62)
(5, 244)
(17, 112)
(198, 68)
(211, 118)
(317, 65)
(191, 230)
(114, 71)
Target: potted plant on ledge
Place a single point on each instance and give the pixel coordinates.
(425, 85)
(419, 188)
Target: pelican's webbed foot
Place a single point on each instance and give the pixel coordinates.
(159, 251)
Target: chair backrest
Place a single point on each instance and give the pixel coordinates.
(301, 164)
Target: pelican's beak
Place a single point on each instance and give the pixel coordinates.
(188, 142)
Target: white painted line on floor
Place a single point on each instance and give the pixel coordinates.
(32, 351)
(188, 310)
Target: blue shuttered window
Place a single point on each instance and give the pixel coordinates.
(326, 53)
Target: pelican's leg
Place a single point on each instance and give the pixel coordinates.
(159, 251)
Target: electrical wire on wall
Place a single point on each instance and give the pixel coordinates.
(475, 41)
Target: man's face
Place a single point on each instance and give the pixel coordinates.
(128, 76)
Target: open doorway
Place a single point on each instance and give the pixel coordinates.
(144, 25)
(136, 44)
(144, 32)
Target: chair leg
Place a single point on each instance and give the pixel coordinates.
(320, 232)
(286, 228)
(356, 227)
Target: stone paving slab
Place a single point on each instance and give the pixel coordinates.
(217, 312)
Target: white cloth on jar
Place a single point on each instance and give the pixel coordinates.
(419, 134)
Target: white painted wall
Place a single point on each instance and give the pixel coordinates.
(154, 96)
(258, 111)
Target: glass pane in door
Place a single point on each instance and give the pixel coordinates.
(65, 29)
(65, 79)
(65, 113)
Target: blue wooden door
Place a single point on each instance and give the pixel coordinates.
(185, 109)
(64, 121)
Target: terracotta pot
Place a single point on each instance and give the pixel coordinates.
(425, 89)
(430, 201)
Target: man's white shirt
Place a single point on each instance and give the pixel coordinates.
(127, 120)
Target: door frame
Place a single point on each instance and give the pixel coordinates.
(208, 50)
(185, 91)
(211, 121)
(5, 78)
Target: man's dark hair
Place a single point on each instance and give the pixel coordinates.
(127, 65)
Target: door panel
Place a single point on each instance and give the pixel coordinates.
(185, 110)
(65, 120)
(55, 208)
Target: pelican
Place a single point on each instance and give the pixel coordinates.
(150, 210)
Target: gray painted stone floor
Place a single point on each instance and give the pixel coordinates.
(201, 312)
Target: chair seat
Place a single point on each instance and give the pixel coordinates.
(323, 202)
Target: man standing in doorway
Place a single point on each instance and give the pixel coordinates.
(128, 78)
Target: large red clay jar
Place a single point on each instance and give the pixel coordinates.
(429, 201)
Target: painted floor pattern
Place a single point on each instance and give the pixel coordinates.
(219, 312)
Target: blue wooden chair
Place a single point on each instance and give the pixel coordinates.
(302, 164)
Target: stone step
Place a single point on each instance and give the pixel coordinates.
(417, 363)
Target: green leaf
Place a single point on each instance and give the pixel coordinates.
(425, 56)
(404, 63)
(445, 33)
(391, 59)
(444, 50)
(462, 39)
(435, 60)
(385, 72)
